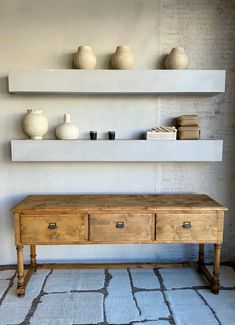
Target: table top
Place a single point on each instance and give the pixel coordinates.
(118, 202)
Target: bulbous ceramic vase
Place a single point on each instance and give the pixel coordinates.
(35, 124)
(67, 130)
(84, 58)
(177, 59)
(122, 58)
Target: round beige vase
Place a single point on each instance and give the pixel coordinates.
(67, 130)
(177, 59)
(35, 124)
(84, 58)
(123, 58)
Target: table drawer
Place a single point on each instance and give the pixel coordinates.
(121, 227)
(186, 228)
(67, 229)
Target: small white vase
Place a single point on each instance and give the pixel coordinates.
(35, 124)
(84, 58)
(177, 59)
(67, 130)
(123, 58)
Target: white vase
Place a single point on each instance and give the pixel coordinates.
(35, 124)
(84, 58)
(67, 130)
(123, 58)
(177, 59)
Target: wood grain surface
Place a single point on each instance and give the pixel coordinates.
(117, 202)
(68, 229)
(125, 227)
(203, 228)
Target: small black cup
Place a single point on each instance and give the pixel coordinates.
(111, 135)
(93, 135)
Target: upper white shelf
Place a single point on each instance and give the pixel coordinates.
(117, 150)
(69, 81)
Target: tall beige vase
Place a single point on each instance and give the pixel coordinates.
(123, 58)
(177, 59)
(84, 58)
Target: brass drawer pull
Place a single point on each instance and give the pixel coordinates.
(52, 225)
(120, 225)
(187, 225)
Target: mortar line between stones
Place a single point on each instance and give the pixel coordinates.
(146, 290)
(163, 289)
(226, 289)
(35, 302)
(188, 288)
(211, 309)
(196, 288)
(73, 291)
(133, 291)
(8, 288)
(100, 323)
(107, 279)
(145, 321)
(80, 291)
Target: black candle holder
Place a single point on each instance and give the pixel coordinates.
(93, 135)
(111, 135)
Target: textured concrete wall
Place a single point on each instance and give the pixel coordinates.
(44, 34)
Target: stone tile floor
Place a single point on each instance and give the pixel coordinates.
(124, 296)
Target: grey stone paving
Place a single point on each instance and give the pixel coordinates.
(189, 308)
(181, 278)
(120, 306)
(222, 304)
(79, 308)
(4, 284)
(152, 305)
(14, 310)
(75, 280)
(7, 274)
(102, 297)
(144, 278)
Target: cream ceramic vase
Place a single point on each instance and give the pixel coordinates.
(177, 59)
(35, 124)
(84, 58)
(67, 130)
(122, 58)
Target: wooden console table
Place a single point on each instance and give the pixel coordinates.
(117, 219)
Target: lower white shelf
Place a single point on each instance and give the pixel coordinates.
(117, 150)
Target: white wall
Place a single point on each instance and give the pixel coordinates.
(45, 34)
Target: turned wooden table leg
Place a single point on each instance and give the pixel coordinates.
(33, 261)
(20, 269)
(201, 257)
(215, 286)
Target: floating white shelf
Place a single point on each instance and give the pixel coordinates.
(69, 81)
(117, 150)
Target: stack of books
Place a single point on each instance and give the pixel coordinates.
(161, 133)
